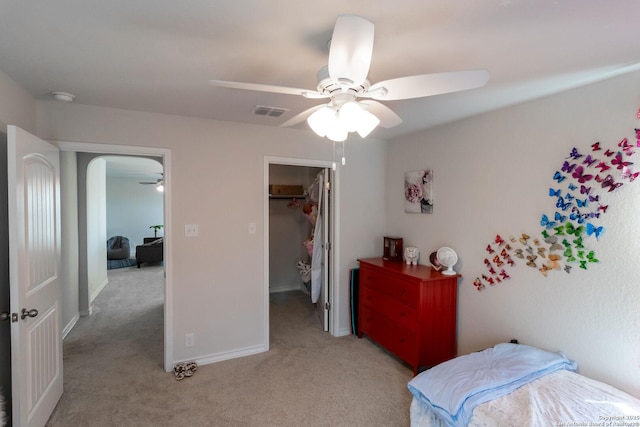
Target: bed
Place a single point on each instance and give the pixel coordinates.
(516, 385)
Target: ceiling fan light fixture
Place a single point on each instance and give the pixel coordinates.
(367, 122)
(350, 115)
(337, 132)
(321, 120)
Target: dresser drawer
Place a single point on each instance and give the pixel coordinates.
(391, 285)
(399, 312)
(389, 334)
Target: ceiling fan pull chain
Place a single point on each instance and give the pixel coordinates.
(333, 165)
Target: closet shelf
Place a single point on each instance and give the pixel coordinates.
(286, 196)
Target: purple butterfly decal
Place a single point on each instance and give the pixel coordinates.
(568, 167)
(589, 160)
(618, 162)
(580, 176)
(574, 154)
(608, 181)
(584, 190)
(594, 198)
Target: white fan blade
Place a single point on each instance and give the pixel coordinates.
(301, 117)
(351, 48)
(388, 118)
(428, 85)
(269, 88)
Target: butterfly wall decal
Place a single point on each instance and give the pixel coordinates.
(561, 204)
(559, 177)
(573, 216)
(568, 167)
(627, 174)
(581, 176)
(618, 162)
(574, 154)
(608, 182)
(545, 222)
(602, 166)
(596, 231)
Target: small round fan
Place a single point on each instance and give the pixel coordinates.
(448, 258)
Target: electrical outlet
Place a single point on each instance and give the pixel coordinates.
(191, 230)
(188, 340)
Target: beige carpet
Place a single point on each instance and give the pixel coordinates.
(113, 372)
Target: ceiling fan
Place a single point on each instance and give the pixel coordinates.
(156, 182)
(353, 104)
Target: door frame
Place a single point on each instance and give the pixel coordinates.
(165, 154)
(334, 266)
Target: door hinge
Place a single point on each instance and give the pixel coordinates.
(327, 246)
(327, 185)
(327, 305)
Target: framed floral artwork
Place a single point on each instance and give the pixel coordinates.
(418, 191)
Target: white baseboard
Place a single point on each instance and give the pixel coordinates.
(219, 357)
(344, 332)
(70, 325)
(99, 289)
(285, 288)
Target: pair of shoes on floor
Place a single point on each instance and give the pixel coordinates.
(182, 370)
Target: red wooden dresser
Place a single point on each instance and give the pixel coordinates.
(408, 309)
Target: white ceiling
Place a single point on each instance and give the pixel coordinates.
(158, 55)
(139, 168)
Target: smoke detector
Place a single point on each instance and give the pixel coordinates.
(63, 96)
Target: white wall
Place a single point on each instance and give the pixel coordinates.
(96, 227)
(219, 295)
(492, 175)
(131, 209)
(17, 106)
(69, 240)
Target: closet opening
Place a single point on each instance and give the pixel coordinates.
(299, 230)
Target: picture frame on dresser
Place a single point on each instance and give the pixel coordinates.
(410, 310)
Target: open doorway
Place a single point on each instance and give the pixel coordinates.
(300, 228)
(165, 156)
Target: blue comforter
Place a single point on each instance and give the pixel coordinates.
(454, 388)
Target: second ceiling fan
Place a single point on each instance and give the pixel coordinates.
(354, 102)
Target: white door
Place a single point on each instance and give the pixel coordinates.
(325, 206)
(34, 273)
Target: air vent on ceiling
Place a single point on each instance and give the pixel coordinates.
(261, 110)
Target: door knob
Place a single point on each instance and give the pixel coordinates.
(5, 316)
(28, 313)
